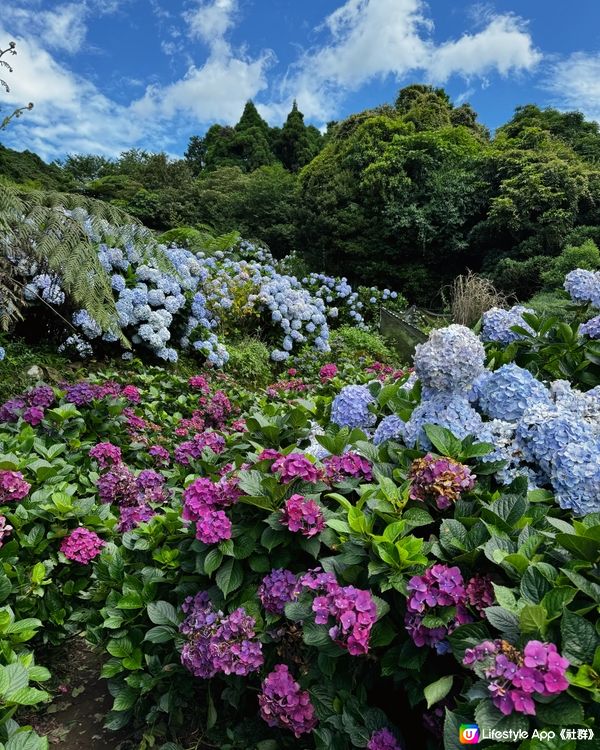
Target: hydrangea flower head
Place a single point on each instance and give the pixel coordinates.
(82, 545)
(106, 454)
(278, 588)
(450, 360)
(383, 739)
(390, 428)
(283, 704)
(303, 515)
(497, 324)
(509, 391)
(454, 412)
(350, 408)
(439, 479)
(295, 466)
(12, 486)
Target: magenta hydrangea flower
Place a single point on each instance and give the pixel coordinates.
(11, 409)
(295, 466)
(283, 704)
(33, 415)
(303, 515)
(439, 479)
(5, 529)
(350, 464)
(278, 588)
(160, 455)
(383, 739)
(438, 588)
(203, 493)
(328, 372)
(150, 485)
(118, 486)
(199, 383)
(192, 449)
(41, 395)
(480, 593)
(131, 393)
(213, 526)
(218, 643)
(82, 545)
(106, 454)
(131, 516)
(352, 610)
(12, 486)
(268, 454)
(514, 677)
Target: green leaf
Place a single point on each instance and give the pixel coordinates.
(162, 613)
(583, 547)
(120, 647)
(579, 639)
(533, 618)
(504, 621)
(212, 561)
(443, 440)
(230, 577)
(160, 634)
(125, 699)
(27, 696)
(26, 739)
(534, 586)
(438, 690)
(563, 710)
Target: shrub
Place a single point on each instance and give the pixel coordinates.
(249, 363)
(348, 343)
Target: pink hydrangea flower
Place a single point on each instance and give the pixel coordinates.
(82, 545)
(293, 466)
(303, 515)
(328, 372)
(131, 393)
(12, 486)
(199, 383)
(5, 529)
(439, 479)
(106, 454)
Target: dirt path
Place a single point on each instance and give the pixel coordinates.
(74, 720)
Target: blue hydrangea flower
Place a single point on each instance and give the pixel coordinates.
(450, 360)
(497, 324)
(591, 328)
(576, 477)
(2, 353)
(350, 408)
(452, 411)
(390, 428)
(544, 431)
(507, 392)
(583, 286)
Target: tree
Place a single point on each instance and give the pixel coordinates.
(296, 144)
(85, 168)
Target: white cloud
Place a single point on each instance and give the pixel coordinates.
(211, 20)
(575, 83)
(63, 28)
(70, 114)
(371, 39)
(218, 89)
(503, 45)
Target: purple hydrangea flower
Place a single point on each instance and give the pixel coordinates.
(106, 454)
(350, 408)
(12, 486)
(383, 739)
(278, 588)
(33, 415)
(283, 704)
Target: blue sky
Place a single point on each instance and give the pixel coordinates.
(107, 75)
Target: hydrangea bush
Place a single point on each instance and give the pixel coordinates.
(369, 561)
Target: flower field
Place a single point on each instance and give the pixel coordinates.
(355, 556)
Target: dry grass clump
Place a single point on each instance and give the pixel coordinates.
(469, 296)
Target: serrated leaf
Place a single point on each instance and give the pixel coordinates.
(438, 690)
(229, 577)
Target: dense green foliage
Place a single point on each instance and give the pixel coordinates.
(408, 195)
